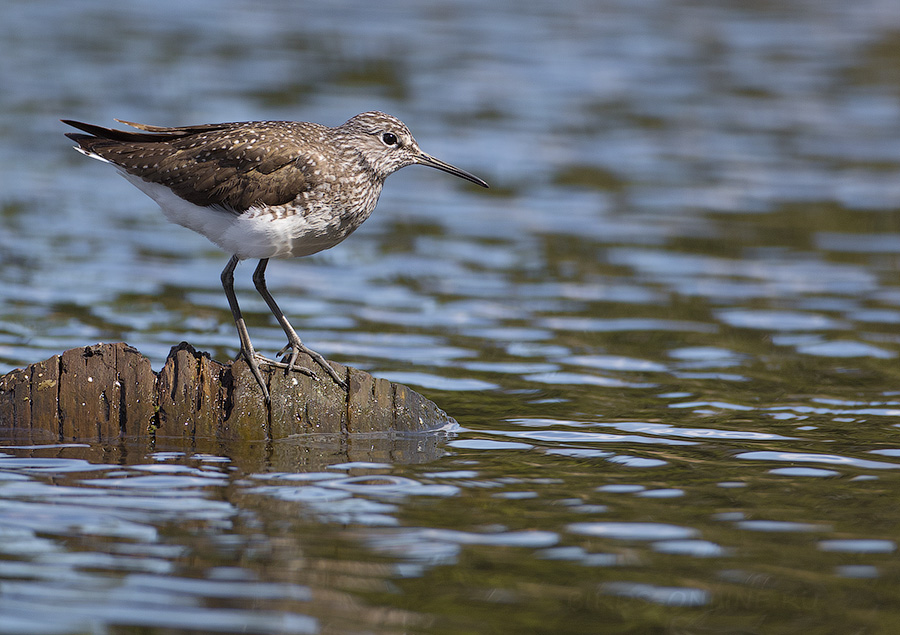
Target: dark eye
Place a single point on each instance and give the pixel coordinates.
(389, 139)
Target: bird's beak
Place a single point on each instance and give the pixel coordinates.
(430, 161)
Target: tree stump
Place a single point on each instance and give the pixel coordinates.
(109, 391)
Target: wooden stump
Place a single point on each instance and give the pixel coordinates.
(109, 391)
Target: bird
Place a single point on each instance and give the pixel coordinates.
(262, 190)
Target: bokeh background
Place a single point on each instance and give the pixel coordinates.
(670, 331)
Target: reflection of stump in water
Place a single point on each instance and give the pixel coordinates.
(108, 391)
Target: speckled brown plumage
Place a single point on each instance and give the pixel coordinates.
(234, 166)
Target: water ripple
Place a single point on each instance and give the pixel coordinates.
(436, 382)
(780, 526)
(665, 595)
(615, 362)
(578, 379)
(832, 459)
(779, 320)
(50, 465)
(695, 548)
(632, 531)
(624, 324)
(387, 485)
(696, 433)
(488, 444)
(60, 519)
(858, 545)
(568, 436)
(845, 348)
(802, 472)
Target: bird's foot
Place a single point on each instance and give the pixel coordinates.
(292, 351)
(287, 368)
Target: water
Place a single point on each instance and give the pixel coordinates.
(669, 331)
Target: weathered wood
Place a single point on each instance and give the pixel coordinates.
(191, 396)
(16, 385)
(44, 387)
(246, 413)
(371, 402)
(135, 375)
(109, 391)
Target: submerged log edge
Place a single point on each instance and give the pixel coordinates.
(108, 391)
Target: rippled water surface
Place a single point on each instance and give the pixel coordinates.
(669, 332)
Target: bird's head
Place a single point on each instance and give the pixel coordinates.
(386, 145)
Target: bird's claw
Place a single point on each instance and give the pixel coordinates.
(253, 358)
(292, 351)
(288, 367)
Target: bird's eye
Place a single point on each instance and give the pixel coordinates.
(389, 139)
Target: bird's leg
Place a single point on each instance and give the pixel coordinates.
(247, 351)
(294, 346)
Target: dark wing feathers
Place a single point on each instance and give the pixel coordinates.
(127, 135)
(178, 129)
(231, 166)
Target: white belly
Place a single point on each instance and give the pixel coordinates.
(257, 233)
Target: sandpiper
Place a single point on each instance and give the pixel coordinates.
(264, 189)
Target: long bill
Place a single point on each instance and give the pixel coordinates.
(430, 161)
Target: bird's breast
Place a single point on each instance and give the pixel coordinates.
(315, 220)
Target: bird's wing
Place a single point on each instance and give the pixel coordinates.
(229, 166)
